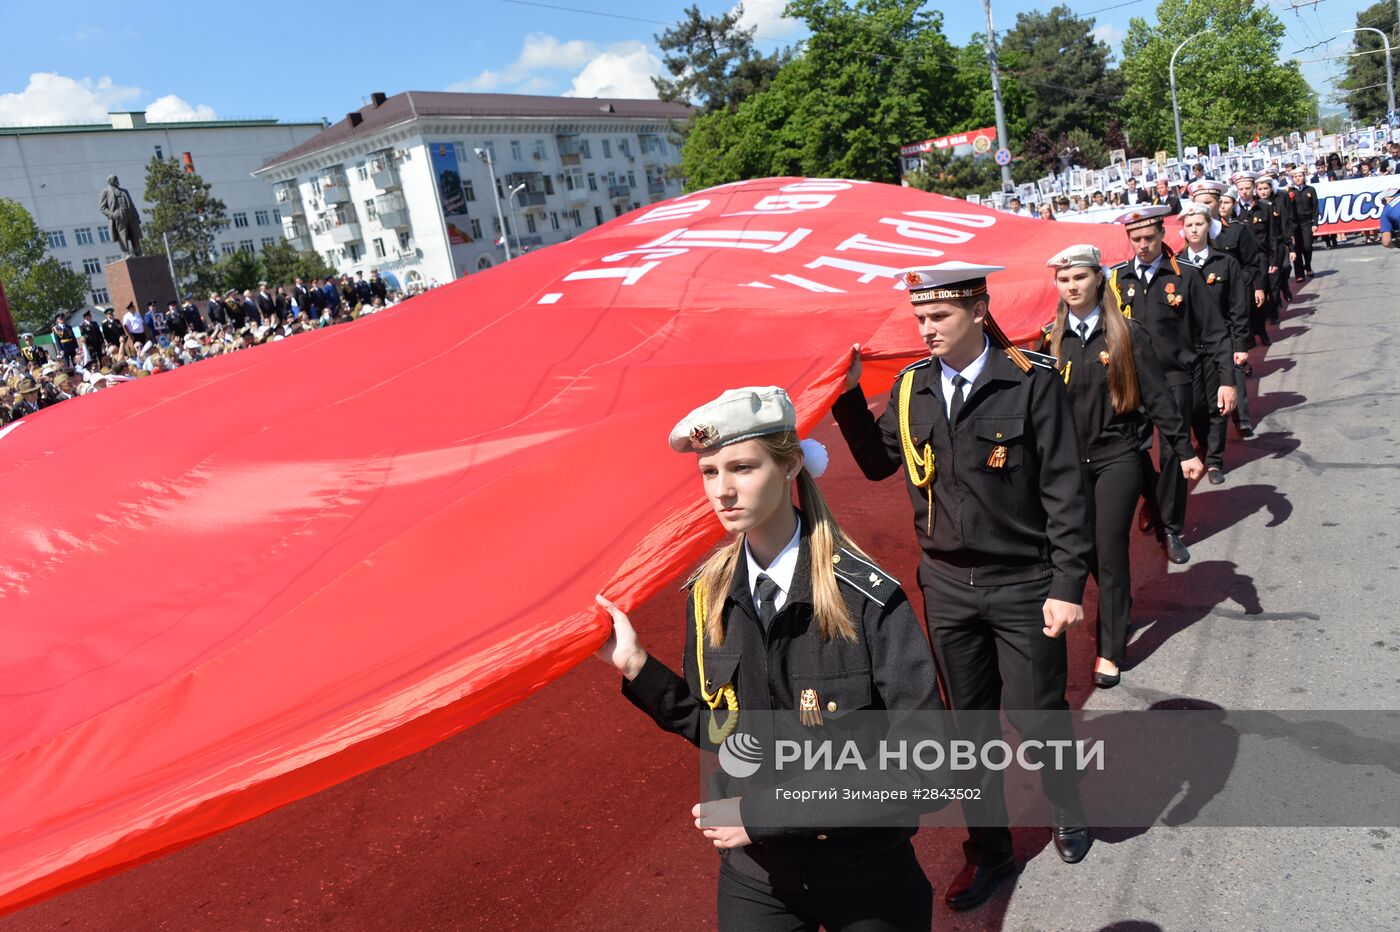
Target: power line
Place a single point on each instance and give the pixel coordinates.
(607, 15)
(1116, 6)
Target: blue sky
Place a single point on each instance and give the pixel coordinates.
(81, 58)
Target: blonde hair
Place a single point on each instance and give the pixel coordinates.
(824, 537)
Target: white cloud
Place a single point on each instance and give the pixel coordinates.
(172, 109)
(1110, 35)
(624, 70)
(767, 19)
(51, 98)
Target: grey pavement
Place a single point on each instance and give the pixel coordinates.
(1289, 603)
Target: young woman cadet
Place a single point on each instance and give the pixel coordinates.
(1112, 374)
(787, 615)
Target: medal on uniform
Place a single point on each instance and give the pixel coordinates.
(809, 711)
(1103, 357)
(1132, 292)
(998, 458)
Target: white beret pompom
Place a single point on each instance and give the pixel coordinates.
(815, 458)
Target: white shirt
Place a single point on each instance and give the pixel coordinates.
(1092, 320)
(970, 373)
(1196, 258)
(1149, 271)
(780, 570)
(131, 322)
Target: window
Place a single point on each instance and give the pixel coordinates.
(483, 263)
(227, 249)
(617, 210)
(316, 186)
(515, 149)
(269, 241)
(530, 225)
(574, 215)
(468, 191)
(573, 179)
(539, 149)
(93, 266)
(625, 147)
(631, 179)
(240, 219)
(548, 185)
(56, 239)
(553, 220)
(362, 171)
(476, 228)
(160, 154)
(261, 217)
(489, 147)
(592, 182)
(371, 212)
(403, 239)
(583, 149)
(597, 214)
(83, 236)
(461, 151)
(276, 215)
(353, 251)
(378, 245)
(607, 149)
(245, 245)
(108, 260)
(104, 234)
(100, 296)
(64, 263)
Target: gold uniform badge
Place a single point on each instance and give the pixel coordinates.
(809, 710)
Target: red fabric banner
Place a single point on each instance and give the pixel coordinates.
(227, 587)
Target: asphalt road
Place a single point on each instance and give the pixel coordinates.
(571, 810)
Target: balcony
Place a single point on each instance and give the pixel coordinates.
(570, 153)
(295, 233)
(616, 191)
(345, 233)
(392, 211)
(383, 172)
(576, 195)
(341, 225)
(289, 199)
(335, 188)
(656, 188)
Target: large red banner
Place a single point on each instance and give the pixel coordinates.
(227, 587)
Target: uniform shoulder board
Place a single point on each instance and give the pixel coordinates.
(864, 577)
(694, 577)
(914, 365)
(1048, 329)
(1125, 264)
(1043, 360)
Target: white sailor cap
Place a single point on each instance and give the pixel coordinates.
(1207, 186)
(1231, 192)
(1268, 178)
(947, 281)
(1142, 216)
(1192, 208)
(1239, 176)
(738, 414)
(1083, 255)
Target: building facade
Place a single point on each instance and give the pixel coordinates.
(58, 173)
(403, 185)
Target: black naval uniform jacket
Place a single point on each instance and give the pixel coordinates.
(1259, 217)
(1280, 231)
(1177, 327)
(1302, 205)
(1229, 288)
(1103, 432)
(1022, 520)
(888, 667)
(1236, 238)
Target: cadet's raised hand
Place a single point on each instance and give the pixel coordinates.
(621, 648)
(853, 373)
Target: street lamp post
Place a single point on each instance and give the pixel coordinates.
(515, 217)
(1176, 110)
(485, 155)
(1389, 71)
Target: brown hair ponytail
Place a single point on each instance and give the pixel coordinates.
(1122, 367)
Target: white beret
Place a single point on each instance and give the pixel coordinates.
(1206, 186)
(1191, 208)
(1081, 255)
(738, 414)
(1231, 193)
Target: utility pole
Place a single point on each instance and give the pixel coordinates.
(1007, 184)
(1389, 70)
(170, 260)
(485, 155)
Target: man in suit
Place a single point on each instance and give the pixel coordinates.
(1170, 300)
(1302, 209)
(194, 321)
(92, 339)
(214, 309)
(302, 296)
(1163, 195)
(1134, 194)
(377, 288)
(112, 332)
(266, 301)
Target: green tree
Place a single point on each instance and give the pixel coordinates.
(311, 265)
(873, 74)
(35, 284)
(961, 175)
(184, 212)
(241, 271)
(282, 264)
(713, 61)
(1066, 73)
(1230, 81)
(1363, 90)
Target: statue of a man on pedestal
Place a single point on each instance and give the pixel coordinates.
(122, 216)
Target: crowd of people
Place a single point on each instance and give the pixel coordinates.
(102, 352)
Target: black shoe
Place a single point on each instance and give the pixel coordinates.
(1145, 520)
(1310, 273)
(975, 883)
(1071, 836)
(1215, 476)
(1107, 680)
(1176, 550)
(1246, 431)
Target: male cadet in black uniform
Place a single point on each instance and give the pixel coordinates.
(1170, 300)
(1000, 513)
(1228, 285)
(1302, 210)
(92, 339)
(1236, 238)
(1281, 233)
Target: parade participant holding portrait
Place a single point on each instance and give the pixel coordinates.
(977, 429)
(788, 614)
(1116, 386)
(1170, 300)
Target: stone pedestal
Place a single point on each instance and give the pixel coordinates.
(139, 279)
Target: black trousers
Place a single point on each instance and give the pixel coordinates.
(1113, 487)
(1302, 248)
(902, 901)
(1167, 481)
(1208, 425)
(992, 654)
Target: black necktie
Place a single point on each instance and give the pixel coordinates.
(958, 399)
(1083, 332)
(765, 598)
(1144, 274)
